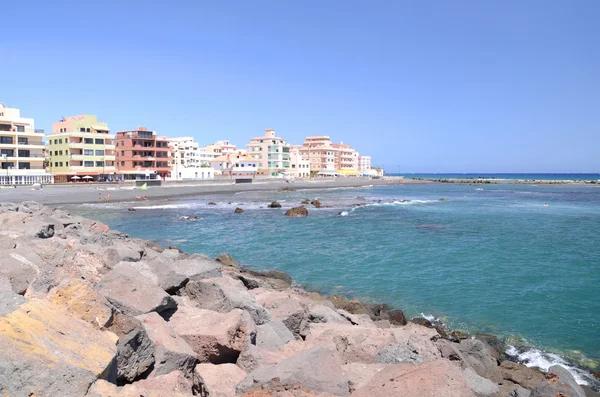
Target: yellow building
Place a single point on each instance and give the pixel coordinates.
(21, 150)
(81, 148)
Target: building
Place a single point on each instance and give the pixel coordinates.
(80, 148)
(346, 159)
(235, 165)
(21, 149)
(320, 154)
(222, 147)
(141, 154)
(190, 161)
(364, 165)
(272, 154)
(300, 167)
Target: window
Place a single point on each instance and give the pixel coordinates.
(122, 163)
(81, 129)
(88, 140)
(99, 152)
(67, 163)
(87, 130)
(122, 143)
(6, 139)
(5, 127)
(88, 152)
(61, 163)
(8, 152)
(60, 141)
(20, 128)
(56, 164)
(60, 152)
(24, 166)
(23, 141)
(88, 163)
(99, 163)
(24, 153)
(99, 141)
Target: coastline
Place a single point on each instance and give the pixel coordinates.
(35, 226)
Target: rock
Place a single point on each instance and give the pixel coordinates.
(399, 354)
(227, 260)
(9, 302)
(432, 379)
(273, 335)
(214, 294)
(219, 380)
(356, 319)
(324, 314)
(560, 381)
(172, 353)
(211, 203)
(360, 374)
(44, 351)
(238, 210)
(132, 293)
(175, 248)
(216, 338)
(5, 285)
(316, 369)
(297, 212)
(509, 389)
(253, 357)
(305, 202)
(458, 335)
(480, 386)
(274, 204)
(396, 317)
(480, 356)
(197, 267)
(422, 321)
(171, 385)
(442, 199)
(351, 306)
(276, 274)
(316, 203)
(160, 272)
(520, 374)
(354, 343)
(135, 349)
(79, 298)
(20, 268)
(285, 307)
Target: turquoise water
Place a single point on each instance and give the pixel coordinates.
(491, 259)
(500, 176)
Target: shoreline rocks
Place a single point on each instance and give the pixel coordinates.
(87, 311)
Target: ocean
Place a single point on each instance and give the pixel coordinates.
(506, 176)
(518, 261)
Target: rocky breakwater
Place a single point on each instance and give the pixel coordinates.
(87, 311)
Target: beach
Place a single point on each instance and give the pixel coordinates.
(83, 193)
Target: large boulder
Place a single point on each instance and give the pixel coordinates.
(360, 374)
(44, 351)
(479, 385)
(135, 349)
(197, 267)
(132, 293)
(9, 302)
(284, 306)
(253, 357)
(171, 353)
(166, 386)
(217, 338)
(324, 314)
(79, 297)
(274, 204)
(160, 271)
(273, 335)
(223, 295)
(219, 380)
(520, 374)
(559, 382)
(438, 378)
(20, 267)
(227, 260)
(316, 369)
(481, 357)
(297, 212)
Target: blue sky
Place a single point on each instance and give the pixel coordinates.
(438, 86)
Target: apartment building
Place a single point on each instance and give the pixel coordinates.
(189, 160)
(21, 150)
(141, 154)
(346, 159)
(272, 154)
(300, 167)
(235, 165)
(222, 147)
(80, 148)
(364, 165)
(320, 154)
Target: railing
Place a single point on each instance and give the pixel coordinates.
(39, 131)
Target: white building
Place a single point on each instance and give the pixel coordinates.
(221, 147)
(21, 150)
(235, 165)
(364, 164)
(189, 160)
(300, 167)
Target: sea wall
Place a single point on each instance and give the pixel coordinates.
(88, 311)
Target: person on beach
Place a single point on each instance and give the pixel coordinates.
(145, 198)
(99, 196)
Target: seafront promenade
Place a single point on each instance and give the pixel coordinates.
(84, 193)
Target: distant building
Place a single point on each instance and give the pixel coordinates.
(235, 165)
(189, 160)
(346, 159)
(22, 150)
(300, 167)
(364, 165)
(221, 147)
(80, 148)
(141, 154)
(320, 154)
(272, 154)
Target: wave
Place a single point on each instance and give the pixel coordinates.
(543, 360)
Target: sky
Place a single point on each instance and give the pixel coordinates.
(421, 86)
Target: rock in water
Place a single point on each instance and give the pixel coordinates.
(238, 210)
(211, 203)
(297, 212)
(44, 351)
(316, 203)
(274, 204)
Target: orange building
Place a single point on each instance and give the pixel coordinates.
(140, 154)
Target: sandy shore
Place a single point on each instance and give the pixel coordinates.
(57, 194)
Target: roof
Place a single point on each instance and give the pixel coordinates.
(100, 128)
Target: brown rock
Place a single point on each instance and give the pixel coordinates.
(297, 212)
(274, 204)
(422, 321)
(238, 210)
(316, 203)
(481, 357)
(396, 317)
(227, 260)
(219, 380)
(211, 203)
(79, 297)
(438, 378)
(217, 338)
(520, 374)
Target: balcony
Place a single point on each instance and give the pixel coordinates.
(109, 146)
(109, 157)
(77, 145)
(77, 157)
